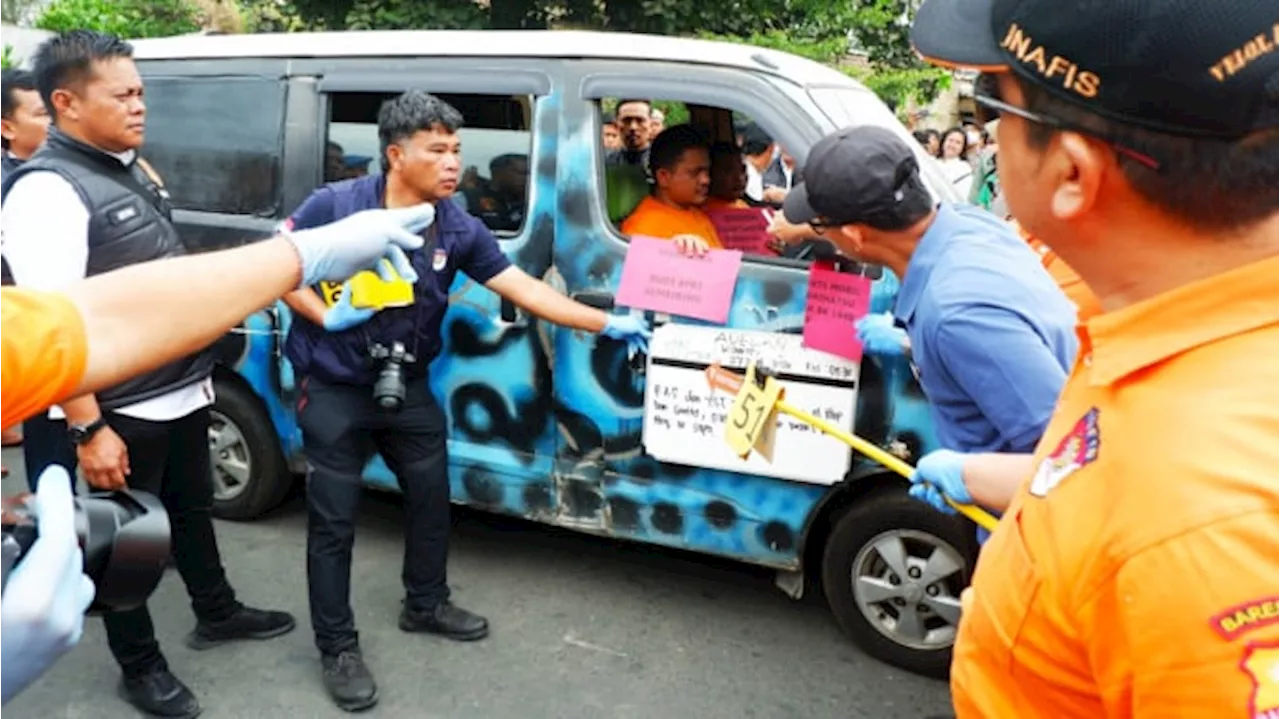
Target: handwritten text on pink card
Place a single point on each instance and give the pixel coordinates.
(743, 228)
(656, 276)
(836, 300)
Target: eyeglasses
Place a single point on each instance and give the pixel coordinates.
(985, 95)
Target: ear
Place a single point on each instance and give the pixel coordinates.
(1079, 177)
(394, 153)
(6, 129)
(64, 104)
(851, 236)
(662, 177)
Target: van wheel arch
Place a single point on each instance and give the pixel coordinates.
(249, 447)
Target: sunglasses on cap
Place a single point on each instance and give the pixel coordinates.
(986, 93)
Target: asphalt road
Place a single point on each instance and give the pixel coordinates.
(582, 627)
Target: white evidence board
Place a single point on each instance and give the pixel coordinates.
(684, 419)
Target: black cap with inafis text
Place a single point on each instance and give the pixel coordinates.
(1184, 67)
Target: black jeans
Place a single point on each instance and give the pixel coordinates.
(341, 428)
(45, 443)
(171, 461)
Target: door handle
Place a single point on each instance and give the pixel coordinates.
(510, 313)
(598, 300)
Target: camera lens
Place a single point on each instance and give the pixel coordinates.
(389, 389)
(125, 537)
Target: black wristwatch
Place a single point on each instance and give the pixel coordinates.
(80, 434)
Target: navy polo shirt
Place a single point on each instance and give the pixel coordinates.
(992, 336)
(461, 242)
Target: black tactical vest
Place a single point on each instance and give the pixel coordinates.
(129, 223)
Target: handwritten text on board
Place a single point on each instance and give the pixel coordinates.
(836, 300)
(656, 276)
(745, 229)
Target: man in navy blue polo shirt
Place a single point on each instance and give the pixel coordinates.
(991, 335)
(339, 353)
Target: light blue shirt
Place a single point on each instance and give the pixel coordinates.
(992, 336)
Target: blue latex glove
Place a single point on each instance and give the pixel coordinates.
(338, 250)
(630, 329)
(343, 315)
(879, 336)
(939, 473)
(42, 611)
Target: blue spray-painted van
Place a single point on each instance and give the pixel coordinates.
(544, 422)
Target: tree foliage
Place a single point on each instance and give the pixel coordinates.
(126, 18)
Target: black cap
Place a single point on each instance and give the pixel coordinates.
(1184, 67)
(859, 175)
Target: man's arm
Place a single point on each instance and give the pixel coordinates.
(1004, 367)
(993, 478)
(307, 303)
(538, 298)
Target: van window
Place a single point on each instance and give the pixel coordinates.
(496, 144)
(749, 172)
(216, 141)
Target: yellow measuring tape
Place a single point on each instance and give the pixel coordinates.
(743, 435)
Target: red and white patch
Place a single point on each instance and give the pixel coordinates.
(1078, 448)
(439, 259)
(1262, 663)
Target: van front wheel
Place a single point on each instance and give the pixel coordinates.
(892, 571)
(249, 472)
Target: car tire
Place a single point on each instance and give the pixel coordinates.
(879, 541)
(249, 473)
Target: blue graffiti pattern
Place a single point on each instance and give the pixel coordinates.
(545, 422)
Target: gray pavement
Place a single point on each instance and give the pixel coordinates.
(582, 627)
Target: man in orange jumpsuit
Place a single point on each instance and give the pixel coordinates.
(1134, 572)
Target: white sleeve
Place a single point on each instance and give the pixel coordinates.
(46, 232)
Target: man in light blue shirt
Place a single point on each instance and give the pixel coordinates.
(992, 337)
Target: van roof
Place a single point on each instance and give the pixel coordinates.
(491, 43)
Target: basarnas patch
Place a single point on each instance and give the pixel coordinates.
(1077, 449)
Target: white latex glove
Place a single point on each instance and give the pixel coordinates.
(42, 610)
(338, 250)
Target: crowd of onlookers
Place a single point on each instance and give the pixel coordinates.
(966, 154)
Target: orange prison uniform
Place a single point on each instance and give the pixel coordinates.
(44, 352)
(1135, 575)
(1072, 286)
(658, 219)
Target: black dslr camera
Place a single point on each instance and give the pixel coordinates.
(389, 389)
(124, 535)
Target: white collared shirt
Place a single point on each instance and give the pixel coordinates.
(45, 228)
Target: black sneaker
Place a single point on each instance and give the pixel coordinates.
(160, 693)
(248, 623)
(348, 680)
(446, 620)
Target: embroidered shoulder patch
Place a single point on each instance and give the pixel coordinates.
(1261, 662)
(1234, 621)
(1078, 448)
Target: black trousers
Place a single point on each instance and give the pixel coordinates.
(45, 443)
(171, 461)
(341, 428)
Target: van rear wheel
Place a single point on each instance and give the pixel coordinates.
(249, 472)
(892, 571)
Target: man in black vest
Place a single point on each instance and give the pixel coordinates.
(80, 207)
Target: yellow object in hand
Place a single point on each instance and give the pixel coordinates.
(370, 291)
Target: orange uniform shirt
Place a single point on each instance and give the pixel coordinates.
(1135, 575)
(657, 219)
(44, 351)
(1072, 286)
